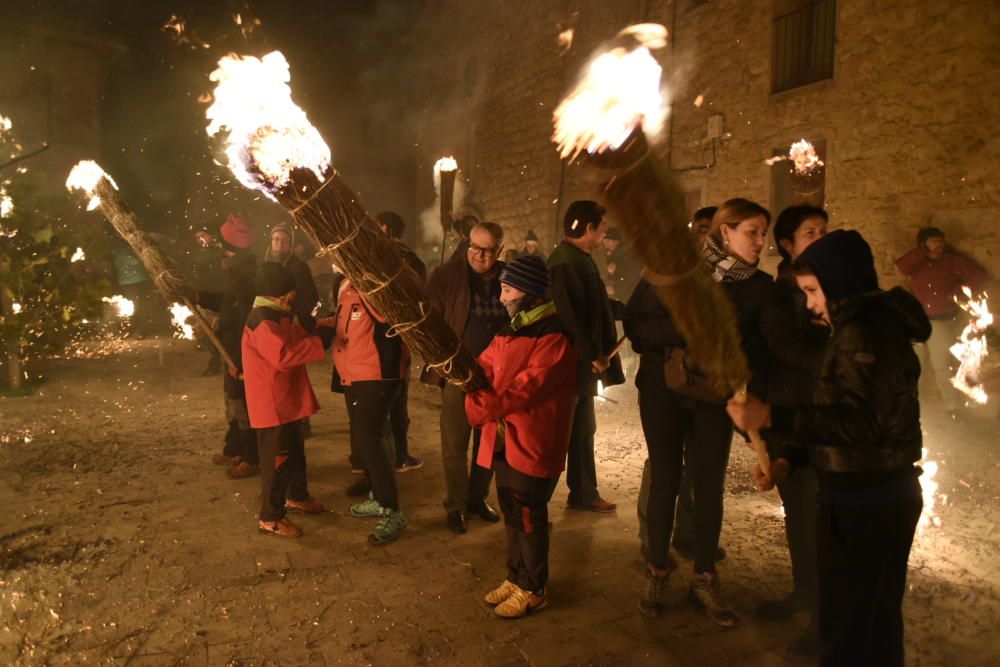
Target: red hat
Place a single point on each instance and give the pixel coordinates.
(237, 232)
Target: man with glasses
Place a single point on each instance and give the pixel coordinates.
(466, 290)
(584, 307)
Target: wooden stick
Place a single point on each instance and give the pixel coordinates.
(618, 346)
(207, 329)
(759, 446)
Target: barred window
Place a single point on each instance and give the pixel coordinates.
(803, 39)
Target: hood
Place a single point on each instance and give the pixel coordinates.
(902, 305)
(843, 263)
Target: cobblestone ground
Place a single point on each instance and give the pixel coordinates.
(122, 544)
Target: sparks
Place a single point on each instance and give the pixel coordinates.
(6, 204)
(85, 176)
(268, 134)
(179, 316)
(77, 256)
(929, 487)
(123, 307)
(971, 349)
(620, 90)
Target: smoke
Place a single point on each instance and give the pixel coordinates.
(431, 233)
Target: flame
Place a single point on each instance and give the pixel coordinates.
(15, 307)
(565, 40)
(6, 204)
(619, 91)
(698, 101)
(178, 26)
(174, 23)
(445, 164)
(929, 487)
(77, 256)
(5, 125)
(179, 316)
(85, 176)
(804, 156)
(268, 135)
(971, 348)
(123, 307)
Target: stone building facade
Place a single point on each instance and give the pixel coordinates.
(905, 122)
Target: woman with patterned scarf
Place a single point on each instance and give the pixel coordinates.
(677, 405)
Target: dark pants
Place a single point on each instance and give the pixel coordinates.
(798, 495)
(863, 551)
(581, 471)
(524, 502)
(398, 426)
(241, 440)
(282, 468)
(368, 405)
(683, 518)
(667, 425)
(465, 483)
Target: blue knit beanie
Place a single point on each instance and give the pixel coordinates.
(527, 273)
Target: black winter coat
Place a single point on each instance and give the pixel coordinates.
(652, 330)
(233, 304)
(864, 418)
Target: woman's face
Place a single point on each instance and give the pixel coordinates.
(810, 230)
(746, 240)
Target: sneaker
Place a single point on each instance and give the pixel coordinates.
(388, 528)
(704, 593)
(281, 528)
(360, 488)
(500, 593)
(309, 506)
(520, 603)
(652, 603)
(222, 459)
(242, 470)
(411, 463)
(367, 509)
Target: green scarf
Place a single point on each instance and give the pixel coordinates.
(272, 303)
(525, 317)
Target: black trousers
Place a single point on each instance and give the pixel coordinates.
(368, 405)
(706, 428)
(581, 470)
(282, 468)
(241, 440)
(798, 495)
(398, 426)
(524, 501)
(863, 552)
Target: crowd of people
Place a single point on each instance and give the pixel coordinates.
(833, 389)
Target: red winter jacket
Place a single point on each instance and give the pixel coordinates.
(936, 282)
(533, 372)
(363, 349)
(276, 350)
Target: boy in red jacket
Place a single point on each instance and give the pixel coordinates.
(525, 419)
(276, 349)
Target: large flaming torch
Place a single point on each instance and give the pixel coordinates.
(972, 348)
(603, 126)
(445, 171)
(102, 193)
(273, 148)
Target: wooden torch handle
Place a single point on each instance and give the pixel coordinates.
(207, 328)
(758, 442)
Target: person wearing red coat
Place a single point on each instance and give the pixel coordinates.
(276, 349)
(525, 417)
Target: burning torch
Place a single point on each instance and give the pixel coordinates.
(602, 125)
(445, 171)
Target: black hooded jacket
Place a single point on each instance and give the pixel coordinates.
(233, 304)
(863, 424)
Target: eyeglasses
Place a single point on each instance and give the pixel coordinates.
(485, 252)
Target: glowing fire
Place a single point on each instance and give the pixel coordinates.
(6, 204)
(929, 487)
(77, 256)
(971, 348)
(123, 307)
(5, 124)
(15, 307)
(268, 134)
(85, 176)
(179, 316)
(803, 156)
(445, 164)
(619, 91)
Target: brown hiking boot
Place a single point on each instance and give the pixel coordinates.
(310, 505)
(221, 459)
(652, 603)
(281, 528)
(242, 470)
(704, 593)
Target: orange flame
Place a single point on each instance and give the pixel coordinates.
(85, 176)
(445, 164)
(179, 316)
(971, 349)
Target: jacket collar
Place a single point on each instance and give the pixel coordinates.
(526, 318)
(272, 303)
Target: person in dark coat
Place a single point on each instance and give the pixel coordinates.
(525, 416)
(280, 242)
(861, 433)
(233, 304)
(204, 261)
(585, 310)
(686, 422)
(795, 342)
(276, 348)
(619, 269)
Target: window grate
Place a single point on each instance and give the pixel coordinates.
(803, 44)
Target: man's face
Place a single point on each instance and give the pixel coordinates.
(281, 243)
(594, 235)
(815, 299)
(699, 229)
(483, 250)
(934, 246)
(510, 298)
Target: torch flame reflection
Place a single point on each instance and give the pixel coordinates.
(619, 91)
(268, 134)
(971, 348)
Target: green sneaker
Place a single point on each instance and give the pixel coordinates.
(388, 528)
(368, 508)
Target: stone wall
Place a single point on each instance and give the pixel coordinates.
(907, 118)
